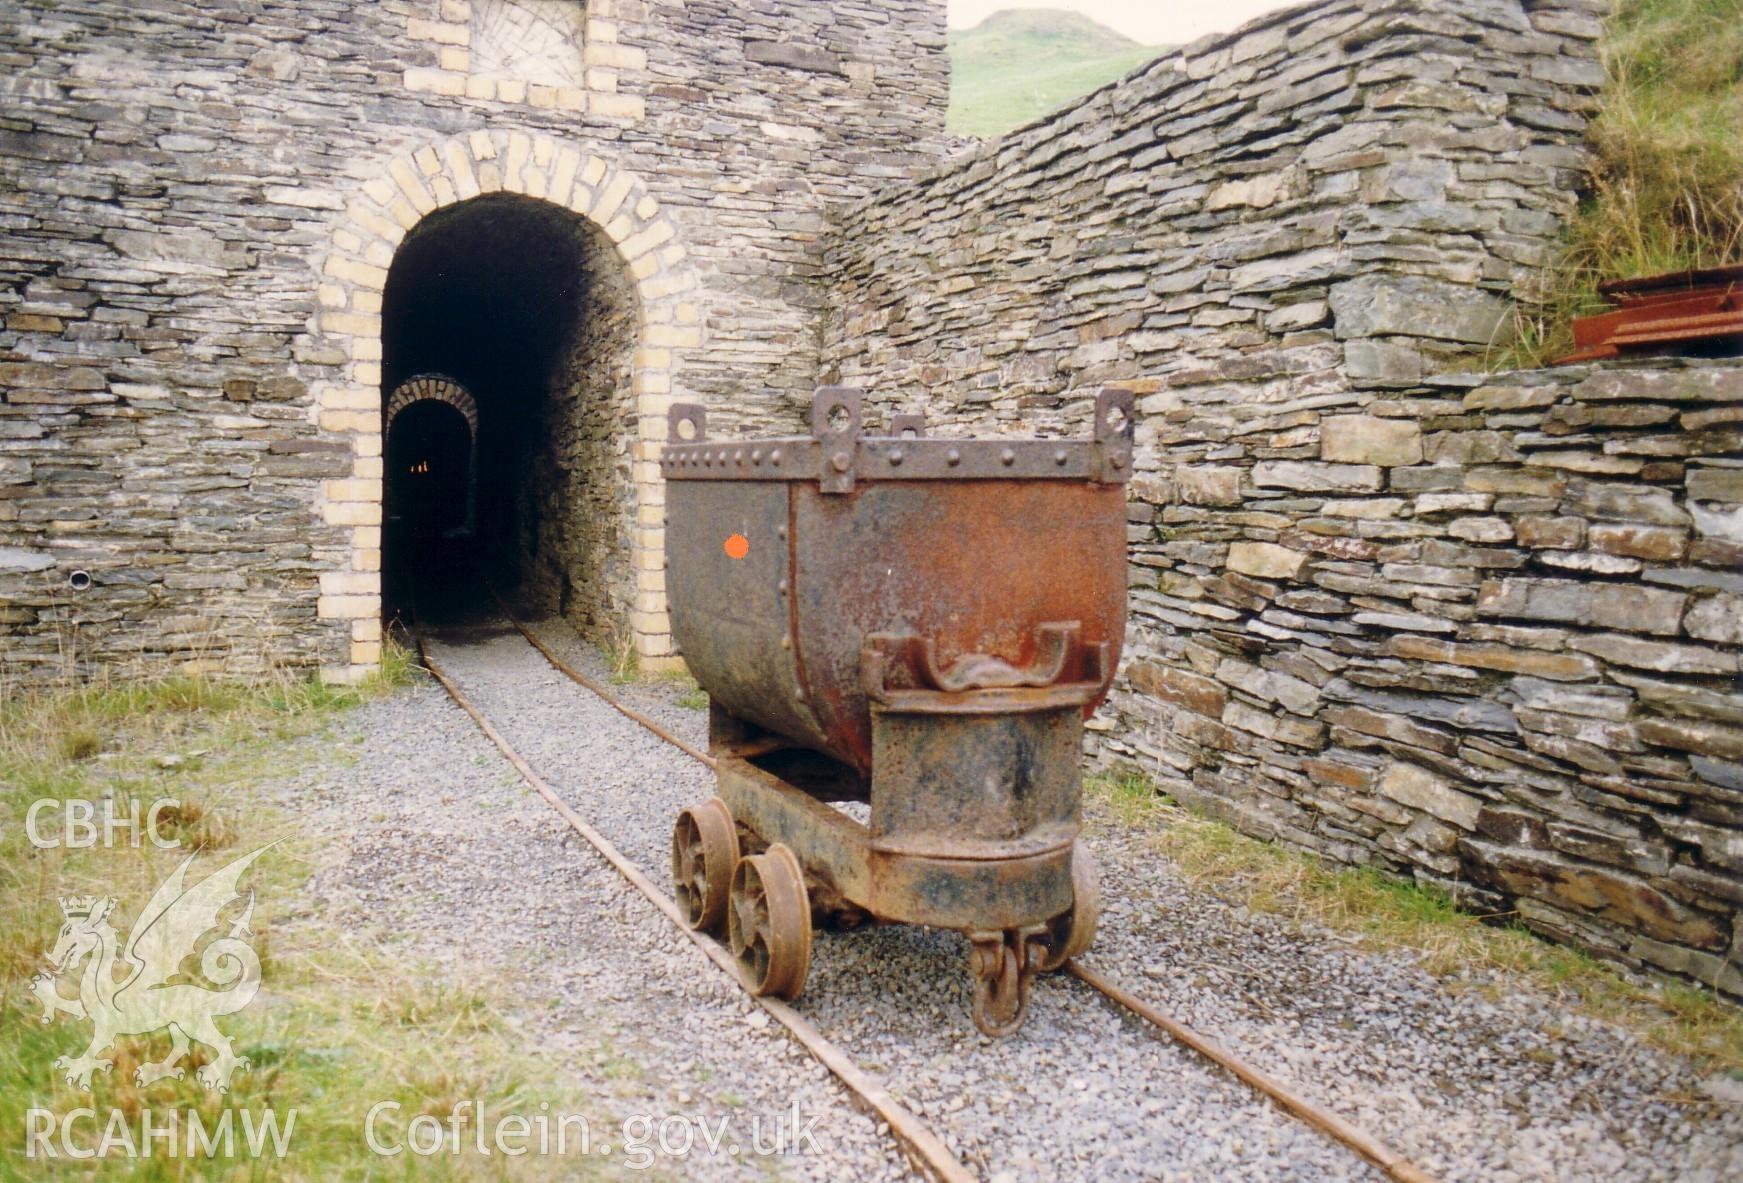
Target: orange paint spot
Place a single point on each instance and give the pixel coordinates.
(737, 546)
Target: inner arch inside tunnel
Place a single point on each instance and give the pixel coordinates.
(531, 310)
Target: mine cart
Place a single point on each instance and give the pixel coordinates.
(902, 637)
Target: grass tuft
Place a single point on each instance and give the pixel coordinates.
(625, 662)
(1386, 913)
(1667, 182)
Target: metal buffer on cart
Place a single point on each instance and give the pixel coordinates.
(916, 624)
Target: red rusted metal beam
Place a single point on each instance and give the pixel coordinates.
(1656, 313)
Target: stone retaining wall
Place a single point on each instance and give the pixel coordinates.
(1484, 631)
(1342, 195)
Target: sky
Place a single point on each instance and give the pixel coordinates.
(1149, 22)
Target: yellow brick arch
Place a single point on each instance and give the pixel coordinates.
(380, 211)
(438, 387)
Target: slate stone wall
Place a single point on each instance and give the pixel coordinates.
(198, 204)
(581, 506)
(1343, 195)
(1485, 631)
(1481, 630)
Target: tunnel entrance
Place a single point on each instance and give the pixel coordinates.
(522, 477)
(430, 474)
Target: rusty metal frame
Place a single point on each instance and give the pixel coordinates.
(903, 886)
(1654, 313)
(839, 455)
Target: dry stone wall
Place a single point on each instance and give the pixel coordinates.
(1347, 194)
(582, 510)
(1485, 631)
(1481, 630)
(199, 202)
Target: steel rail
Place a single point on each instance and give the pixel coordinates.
(923, 1147)
(1351, 1135)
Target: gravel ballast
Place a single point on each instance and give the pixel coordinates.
(1469, 1087)
(442, 854)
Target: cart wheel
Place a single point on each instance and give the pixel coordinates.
(769, 922)
(704, 852)
(1070, 933)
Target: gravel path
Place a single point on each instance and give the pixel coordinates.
(1472, 1089)
(447, 856)
(1084, 1090)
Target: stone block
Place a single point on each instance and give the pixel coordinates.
(1283, 728)
(1656, 655)
(348, 607)
(1537, 663)
(793, 57)
(1311, 477)
(1717, 618)
(1366, 439)
(352, 489)
(350, 583)
(439, 32)
(1472, 447)
(1550, 533)
(1266, 560)
(1611, 895)
(1696, 736)
(1416, 306)
(1406, 621)
(1514, 827)
(1633, 504)
(1680, 698)
(1660, 544)
(1721, 384)
(352, 513)
(1208, 485)
(1379, 363)
(1512, 398)
(1348, 770)
(14, 559)
(1605, 605)
(1489, 530)
(1412, 785)
(617, 106)
(1724, 527)
(1716, 484)
(1192, 691)
(1723, 972)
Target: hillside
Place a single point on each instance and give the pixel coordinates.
(1022, 63)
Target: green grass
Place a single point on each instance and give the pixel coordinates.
(691, 696)
(625, 662)
(1385, 913)
(1019, 64)
(340, 1023)
(1667, 185)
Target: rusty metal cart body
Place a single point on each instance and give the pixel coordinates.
(920, 625)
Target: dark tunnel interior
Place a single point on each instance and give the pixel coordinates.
(429, 472)
(497, 294)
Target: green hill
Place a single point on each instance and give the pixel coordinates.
(1022, 63)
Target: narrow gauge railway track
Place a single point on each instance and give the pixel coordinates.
(923, 1147)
